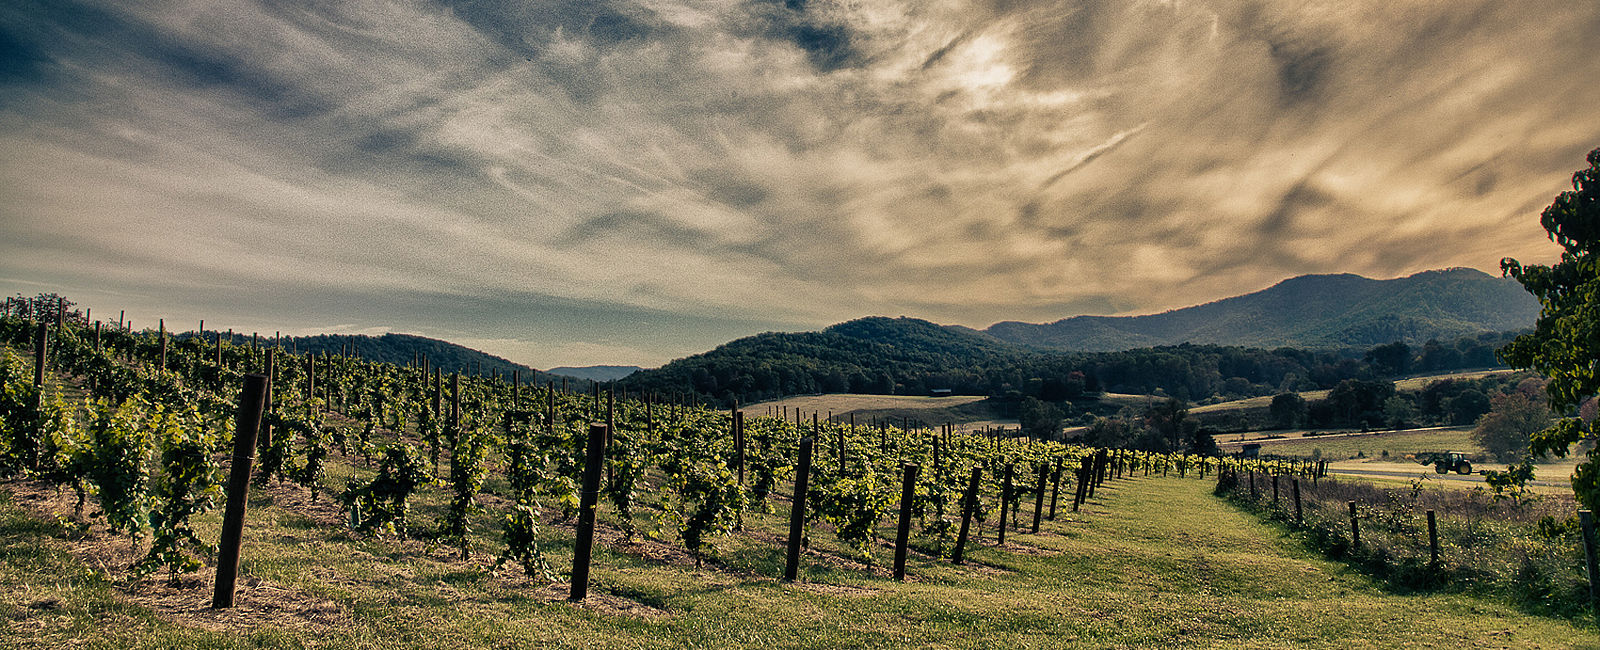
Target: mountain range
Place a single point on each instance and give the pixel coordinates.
(1311, 311)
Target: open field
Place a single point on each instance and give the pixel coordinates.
(1353, 444)
(967, 411)
(1386, 455)
(1407, 384)
(1149, 563)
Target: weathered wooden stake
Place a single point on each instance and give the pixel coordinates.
(1299, 518)
(738, 441)
(247, 424)
(583, 551)
(1082, 493)
(797, 513)
(1586, 526)
(908, 493)
(969, 502)
(1355, 528)
(41, 348)
(1055, 490)
(1038, 497)
(1005, 502)
(1433, 541)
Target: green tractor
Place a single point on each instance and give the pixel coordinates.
(1445, 462)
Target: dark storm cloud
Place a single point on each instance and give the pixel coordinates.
(767, 162)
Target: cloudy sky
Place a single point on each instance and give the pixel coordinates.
(577, 182)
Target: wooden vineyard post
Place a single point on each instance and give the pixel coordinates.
(41, 348)
(1355, 528)
(1274, 491)
(797, 513)
(1586, 527)
(738, 442)
(272, 377)
(1252, 487)
(549, 408)
(1433, 541)
(163, 343)
(908, 493)
(455, 406)
(1299, 517)
(841, 445)
(969, 502)
(516, 388)
(1055, 491)
(583, 550)
(247, 424)
(1038, 497)
(1082, 491)
(97, 336)
(438, 394)
(1005, 501)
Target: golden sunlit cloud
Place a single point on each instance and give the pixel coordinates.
(664, 175)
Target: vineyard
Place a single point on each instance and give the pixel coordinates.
(137, 428)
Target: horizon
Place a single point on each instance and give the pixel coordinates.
(374, 332)
(626, 183)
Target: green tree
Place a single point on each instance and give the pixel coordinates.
(1398, 412)
(1390, 359)
(1565, 343)
(1040, 420)
(1288, 410)
(1513, 418)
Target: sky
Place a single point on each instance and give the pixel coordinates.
(577, 182)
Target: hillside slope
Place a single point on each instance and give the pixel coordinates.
(1312, 311)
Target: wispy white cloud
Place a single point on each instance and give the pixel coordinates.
(762, 164)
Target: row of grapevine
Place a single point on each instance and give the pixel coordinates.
(149, 437)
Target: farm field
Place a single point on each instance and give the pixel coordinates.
(1407, 384)
(967, 411)
(1385, 455)
(1350, 445)
(1149, 563)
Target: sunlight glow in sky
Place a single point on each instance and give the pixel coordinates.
(573, 182)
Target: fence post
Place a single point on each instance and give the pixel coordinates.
(583, 550)
(797, 514)
(1433, 541)
(1055, 490)
(1005, 503)
(1355, 528)
(40, 350)
(1586, 523)
(1038, 497)
(738, 441)
(1082, 493)
(968, 504)
(247, 424)
(1299, 517)
(908, 493)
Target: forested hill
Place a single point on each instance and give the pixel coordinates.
(403, 349)
(1312, 311)
(595, 373)
(914, 357)
(870, 355)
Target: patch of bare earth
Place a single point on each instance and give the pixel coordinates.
(602, 602)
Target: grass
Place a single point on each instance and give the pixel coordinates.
(1149, 563)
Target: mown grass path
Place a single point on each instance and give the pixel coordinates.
(1150, 563)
